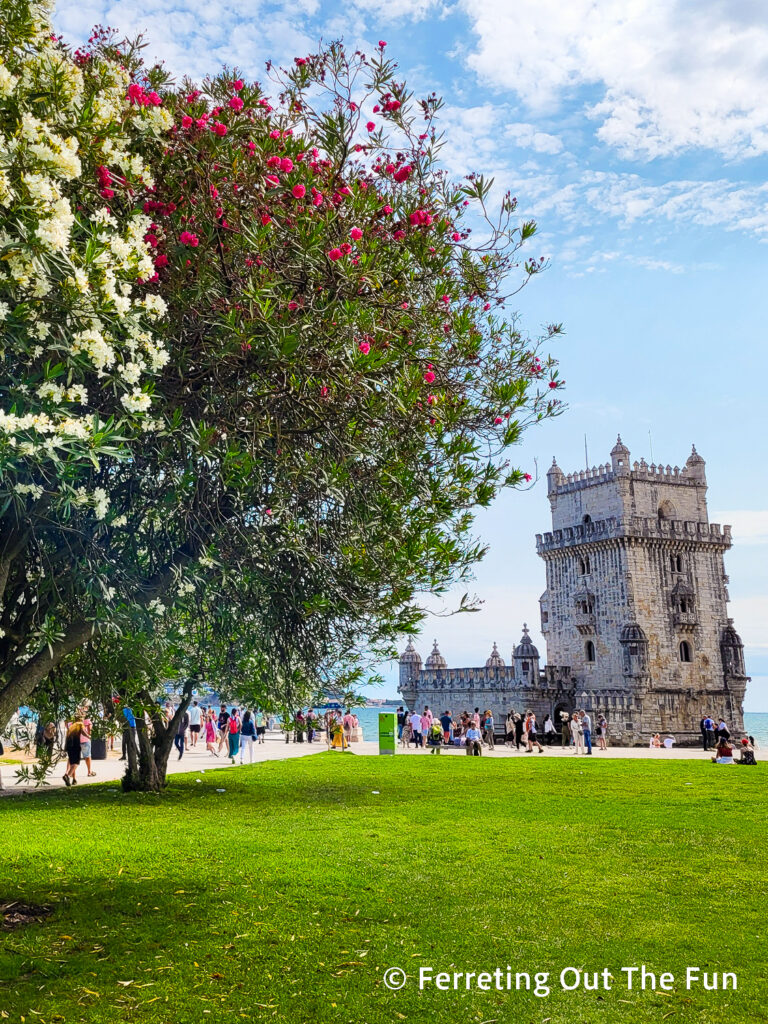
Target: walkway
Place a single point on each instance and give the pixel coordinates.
(276, 749)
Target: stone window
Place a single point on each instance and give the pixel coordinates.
(686, 653)
(676, 562)
(545, 617)
(589, 651)
(584, 567)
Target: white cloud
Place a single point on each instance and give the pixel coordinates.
(659, 76)
(527, 136)
(750, 526)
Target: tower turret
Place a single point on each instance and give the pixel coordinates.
(435, 659)
(410, 665)
(695, 466)
(620, 458)
(555, 477)
(526, 660)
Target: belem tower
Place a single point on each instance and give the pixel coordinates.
(634, 615)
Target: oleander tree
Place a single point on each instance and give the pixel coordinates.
(324, 387)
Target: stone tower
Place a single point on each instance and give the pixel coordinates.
(636, 602)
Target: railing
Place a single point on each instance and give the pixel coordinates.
(634, 526)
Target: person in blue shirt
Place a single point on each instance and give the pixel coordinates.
(474, 744)
(129, 732)
(447, 723)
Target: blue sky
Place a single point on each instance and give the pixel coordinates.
(636, 134)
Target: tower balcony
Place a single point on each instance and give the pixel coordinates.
(585, 622)
(685, 620)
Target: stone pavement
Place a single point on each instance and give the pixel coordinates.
(276, 749)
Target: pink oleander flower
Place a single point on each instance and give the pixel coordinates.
(266, 219)
(403, 173)
(298, 191)
(274, 134)
(293, 305)
(392, 105)
(272, 180)
(498, 420)
(446, 299)
(456, 236)
(429, 377)
(286, 165)
(219, 129)
(387, 209)
(346, 248)
(238, 84)
(355, 234)
(188, 238)
(186, 121)
(382, 43)
(235, 103)
(399, 236)
(317, 200)
(334, 254)
(403, 305)
(364, 347)
(487, 306)
(527, 477)
(370, 126)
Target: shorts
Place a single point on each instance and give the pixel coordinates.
(85, 749)
(73, 753)
(260, 730)
(194, 728)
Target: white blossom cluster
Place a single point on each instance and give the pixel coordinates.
(79, 330)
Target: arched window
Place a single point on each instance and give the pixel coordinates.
(685, 651)
(676, 562)
(584, 569)
(587, 519)
(589, 651)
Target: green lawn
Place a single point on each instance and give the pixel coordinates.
(287, 896)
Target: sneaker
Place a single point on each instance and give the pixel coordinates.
(67, 780)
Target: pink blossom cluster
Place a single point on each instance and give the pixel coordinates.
(136, 96)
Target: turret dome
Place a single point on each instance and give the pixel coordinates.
(526, 648)
(435, 659)
(632, 633)
(495, 660)
(410, 655)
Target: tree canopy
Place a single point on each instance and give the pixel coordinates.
(257, 352)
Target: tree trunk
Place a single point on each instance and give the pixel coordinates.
(148, 765)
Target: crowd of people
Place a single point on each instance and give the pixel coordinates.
(477, 730)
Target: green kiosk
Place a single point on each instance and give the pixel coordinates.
(387, 732)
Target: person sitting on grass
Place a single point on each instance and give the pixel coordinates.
(747, 753)
(724, 752)
(655, 741)
(474, 745)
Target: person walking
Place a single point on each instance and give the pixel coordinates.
(586, 730)
(709, 733)
(577, 734)
(211, 733)
(703, 731)
(311, 725)
(549, 730)
(489, 726)
(416, 733)
(72, 748)
(509, 729)
(565, 729)
(401, 716)
(518, 731)
(247, 736)
(602, 733)
(195, 719)
(233, 726)
(261, 726)
(85, 746)
(532, 734)
(180, 739)
(223, 724)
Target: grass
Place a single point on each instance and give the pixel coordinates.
(286, 897)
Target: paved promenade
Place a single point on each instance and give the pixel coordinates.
(276, 749)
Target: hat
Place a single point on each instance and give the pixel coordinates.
(745, 741)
